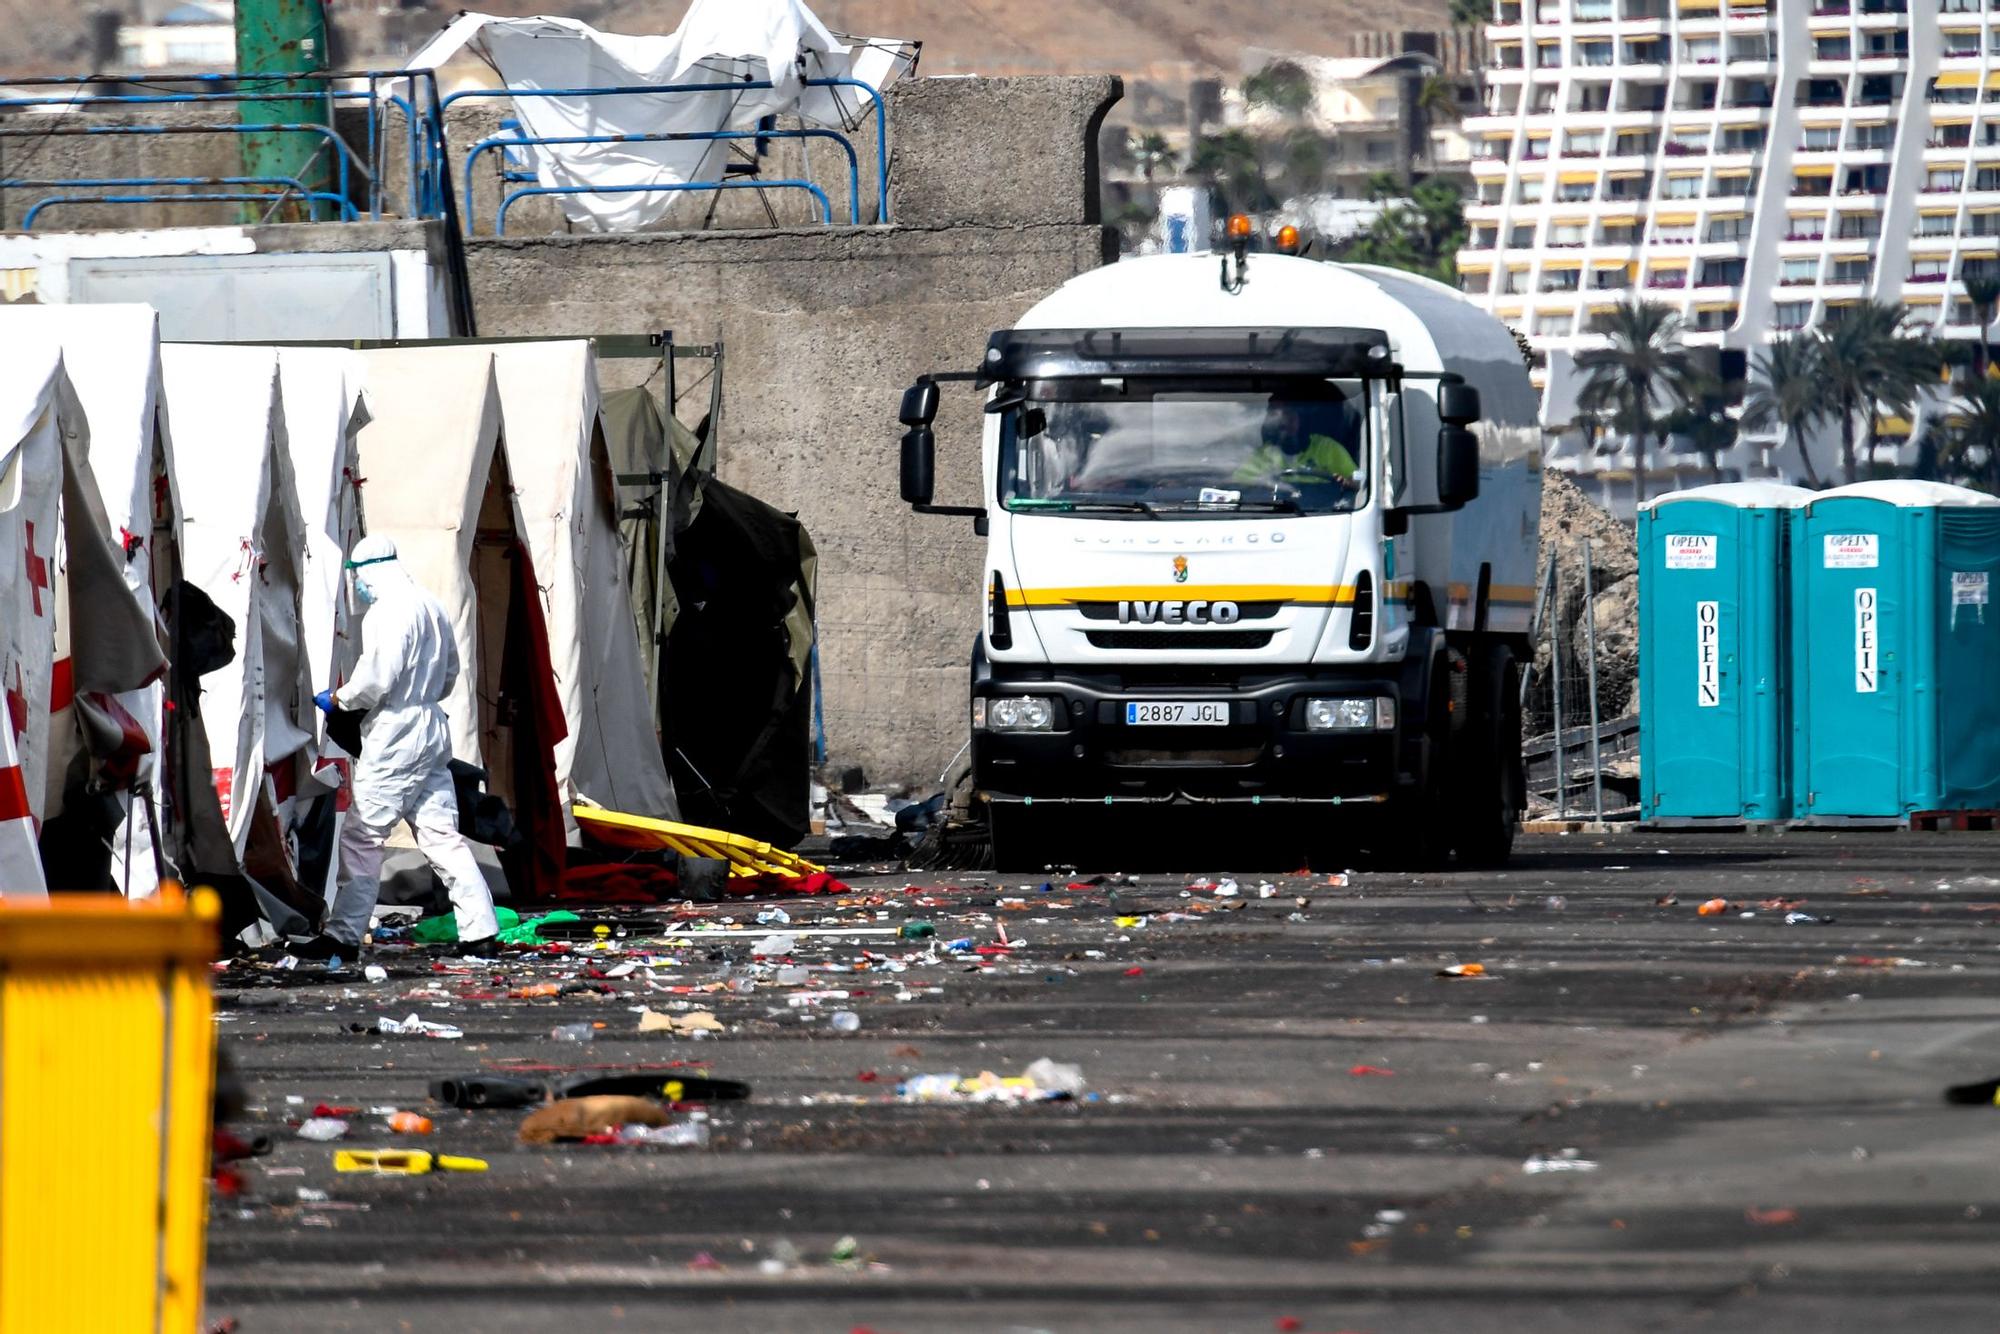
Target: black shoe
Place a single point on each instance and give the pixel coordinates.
(483, 945)
(325, 947)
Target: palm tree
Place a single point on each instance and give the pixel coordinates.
(1436, 104)
(1982, 289)
(1470, 13)
(1153, 154)
(1976, 431)
(1701, 415)
(1869, 363)
(1632, 375)
(1785, 393)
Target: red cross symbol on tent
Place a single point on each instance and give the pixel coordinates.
(38, 570)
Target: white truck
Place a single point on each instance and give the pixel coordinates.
(1256, 538)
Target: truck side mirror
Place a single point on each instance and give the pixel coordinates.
(920, 404)
(919, 458)
(1458, 403)
(1457, 467)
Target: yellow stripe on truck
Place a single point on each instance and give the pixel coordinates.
(1297, 595)
(1300, 595)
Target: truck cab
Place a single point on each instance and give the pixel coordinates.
(1259, 538)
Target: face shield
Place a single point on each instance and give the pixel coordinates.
(357, 577)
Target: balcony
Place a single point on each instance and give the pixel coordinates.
(1927, 278)
(1665, 282)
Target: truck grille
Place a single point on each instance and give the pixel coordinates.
(1177, 640)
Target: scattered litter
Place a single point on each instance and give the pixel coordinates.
(845, 1021)
(775, 944)
(475, 1091)
(402, 1162)
(1805, 919)
(1565, 1160)
(1770, 1217)
(1463, 970)
(580, 1118)
(1714, 908)
(1369, 1070)
(573, 1032)
(417, 1026)
(409, 1123)
(324, 1129)
(1979, 1093)
(685, 1025)
(1043, 1081)
(690, 1134)
(375, 972)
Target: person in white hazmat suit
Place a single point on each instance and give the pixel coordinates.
(408, 663)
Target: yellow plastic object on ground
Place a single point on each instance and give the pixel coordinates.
(402, 1162)
(107, 1076)
(747, 857)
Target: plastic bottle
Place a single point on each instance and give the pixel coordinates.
(573, 1033)
(792, 975)
(323, 1128)
(845, 1021)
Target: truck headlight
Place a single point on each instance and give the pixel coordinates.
(1014, 713)
(1351, 715)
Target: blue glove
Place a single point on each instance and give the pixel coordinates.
(325, 701)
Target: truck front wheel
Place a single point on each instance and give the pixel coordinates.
(1025, 837)
(1488, 785)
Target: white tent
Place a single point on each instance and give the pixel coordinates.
(567, 507)
(38, 408)
(110, 355)
(431, 445)
(71, 636)
(719, 42)
(241, 543)
(324, 413)
(443, 492)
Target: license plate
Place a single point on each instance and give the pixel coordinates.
(1176, 714)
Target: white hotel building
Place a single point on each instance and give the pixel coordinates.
(1755, 164)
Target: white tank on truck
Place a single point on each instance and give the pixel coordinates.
(1260, 541)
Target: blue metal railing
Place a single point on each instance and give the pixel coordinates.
(506, 143)
(183, 197)
(414, 93)
(500, 221)
(877, 106)
(423, 133)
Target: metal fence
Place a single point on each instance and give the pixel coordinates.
(388, 156)
(1581, 760)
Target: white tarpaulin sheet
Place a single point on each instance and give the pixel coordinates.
(241, 537)
(324, 413)
(566, 504)
(111, 357)
(36, 406)
(719, 43)
(429, 447)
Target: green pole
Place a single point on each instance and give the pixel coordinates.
(285, 37)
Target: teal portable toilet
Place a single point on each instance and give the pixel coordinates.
(1895, 651)
(1713, 744)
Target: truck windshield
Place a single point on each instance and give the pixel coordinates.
(1115, 448)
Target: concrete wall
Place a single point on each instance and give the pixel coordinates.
(994, 203)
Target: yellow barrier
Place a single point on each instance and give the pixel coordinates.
(747, 857)
(107, 1071)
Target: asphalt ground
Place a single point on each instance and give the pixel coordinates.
(1290, 1122)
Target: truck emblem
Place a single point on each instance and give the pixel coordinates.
(1179, 613)
(1180, 569)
